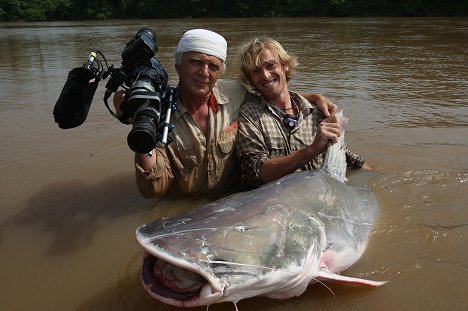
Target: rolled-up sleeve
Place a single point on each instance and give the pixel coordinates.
(157, 181)
(353, 160)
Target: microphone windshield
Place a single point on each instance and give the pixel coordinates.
(76, 97)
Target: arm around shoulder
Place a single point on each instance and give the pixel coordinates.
(327, 107)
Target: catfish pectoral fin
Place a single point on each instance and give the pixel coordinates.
(325, 275)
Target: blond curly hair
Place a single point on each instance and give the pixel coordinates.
(250, 56)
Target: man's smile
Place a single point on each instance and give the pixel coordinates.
(270, 82)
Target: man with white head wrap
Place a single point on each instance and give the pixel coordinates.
(200, 160)
(203, 41)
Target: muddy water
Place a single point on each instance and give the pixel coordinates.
(69, 206)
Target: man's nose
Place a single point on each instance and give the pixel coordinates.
(265, 73)
(204, 70)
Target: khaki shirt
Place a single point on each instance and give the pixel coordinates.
(193, 164)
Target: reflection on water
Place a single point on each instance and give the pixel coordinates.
(70, 206)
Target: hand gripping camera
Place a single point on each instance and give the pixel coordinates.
(149, 99)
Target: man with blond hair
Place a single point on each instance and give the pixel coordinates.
(279, 130)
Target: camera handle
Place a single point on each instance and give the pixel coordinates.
(173, 93)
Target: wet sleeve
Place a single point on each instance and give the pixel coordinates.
(353, 160)
(156, 182)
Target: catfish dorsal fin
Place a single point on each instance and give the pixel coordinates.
(335, 158)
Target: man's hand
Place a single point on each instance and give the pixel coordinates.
(118, 99)
(328, 131)
(327, 107)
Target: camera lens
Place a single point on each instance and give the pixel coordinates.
(142, 137)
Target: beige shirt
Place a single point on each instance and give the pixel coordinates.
(193, 164)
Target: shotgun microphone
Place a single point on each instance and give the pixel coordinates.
(73, 104)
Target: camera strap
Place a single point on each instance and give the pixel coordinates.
(123, 118)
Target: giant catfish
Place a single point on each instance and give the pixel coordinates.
(272, 241)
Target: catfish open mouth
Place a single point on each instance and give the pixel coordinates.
(167, 280)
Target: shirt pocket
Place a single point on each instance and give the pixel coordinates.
(226, 142)
(225, 146)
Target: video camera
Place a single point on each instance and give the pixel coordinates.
(149, 99)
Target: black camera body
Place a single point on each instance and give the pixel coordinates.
(138, 53)
(149, 99)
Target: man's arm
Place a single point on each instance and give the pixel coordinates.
(278, 167)
(257, 166)
(251, 149)
(154, 181)
(153, 172)
(146, 161)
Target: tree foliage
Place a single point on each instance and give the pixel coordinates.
(41, 10)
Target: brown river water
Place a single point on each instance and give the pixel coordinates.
(69, 205)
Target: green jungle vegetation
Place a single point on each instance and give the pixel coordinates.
(53, 10)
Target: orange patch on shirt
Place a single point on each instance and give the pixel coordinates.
(231, 127)
(212, 103)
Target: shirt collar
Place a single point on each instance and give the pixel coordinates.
(303, 104)
(216, 98)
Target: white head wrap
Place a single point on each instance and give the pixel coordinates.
(203, 41)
